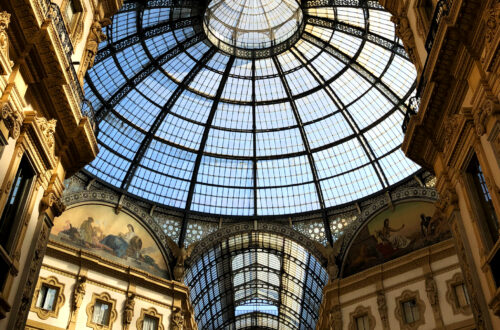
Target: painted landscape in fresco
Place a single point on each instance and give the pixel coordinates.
(392, 234)
(117, 237)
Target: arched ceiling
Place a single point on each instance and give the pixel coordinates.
(256, 280)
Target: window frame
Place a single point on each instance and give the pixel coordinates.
(76, 24)
(151, 312)
(105, 298)
(50, 282)
(361, 311)
(406, 296)
(452, 298)
(477, 203)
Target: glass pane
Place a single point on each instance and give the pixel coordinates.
(101, 313)
(462, 295)
(50, 299)
(150, 323)
(362, 323)
(410, 310)
(41, 296)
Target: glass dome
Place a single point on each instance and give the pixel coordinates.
(251, 24)
(313, 124)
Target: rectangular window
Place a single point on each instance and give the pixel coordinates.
(102, 312)
(410, 310)
(362, 323)
(486, 206)
(47, 297)
(150, 323)
(13, 211)
(429, 9)
(461, 295)
(70, 11)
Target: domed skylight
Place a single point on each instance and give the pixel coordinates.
(313, 124)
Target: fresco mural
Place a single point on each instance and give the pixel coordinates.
(117, 237)
(394, 233)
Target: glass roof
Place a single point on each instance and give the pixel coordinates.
(256, 280)
(186, 124)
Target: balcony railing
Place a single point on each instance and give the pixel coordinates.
(441, 11)
(410, 111)
(54, 13)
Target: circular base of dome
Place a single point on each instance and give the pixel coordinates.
(255, 53)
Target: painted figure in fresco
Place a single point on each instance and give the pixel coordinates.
(124, 244)
(396, 241)
(87, 232)
(424, 225)
(71, 232)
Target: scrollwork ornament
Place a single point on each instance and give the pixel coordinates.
(48, 128)
(451, 129)
(12, 120)
(492, 22)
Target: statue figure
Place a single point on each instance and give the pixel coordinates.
(177, 319)
(404, 32)
(96, 36)
(79, 292)
(330, 253)
(431, 289)
(181, 254)
(335, 318)
(382, 309)
(128, 310)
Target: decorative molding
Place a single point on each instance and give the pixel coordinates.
(153, 313)
(361, 311)
(5, 62)
(466, 272)
(76, 26)
(451, 296)
(105, 297)
(34, 269)
(50, 281)
(405, 33)
(408, 295)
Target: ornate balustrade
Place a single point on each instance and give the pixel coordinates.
(54, 13)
